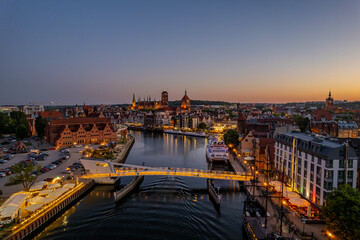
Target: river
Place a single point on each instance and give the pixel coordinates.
(165, 207)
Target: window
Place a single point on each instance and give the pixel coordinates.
(341, 175)
(341, 164)
(329, 174)
(329, 163)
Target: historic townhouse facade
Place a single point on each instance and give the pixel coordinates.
(67, 132)
(316, 165)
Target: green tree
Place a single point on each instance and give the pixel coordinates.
(232, 137)
(23, 172)
(342, 212)
(4, 123)
(202, 126)
(21, 131)
(40, 125)
(302, 122)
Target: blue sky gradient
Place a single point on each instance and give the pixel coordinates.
(69, 52)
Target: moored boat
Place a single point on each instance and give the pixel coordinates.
(217, 151)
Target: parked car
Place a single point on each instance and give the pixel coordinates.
(71, 168)
(57, 162)
(52, 166)
(3, 161)
(2, 174)
(7, 171)
(8, 156)
(66, 171)
(45, 169)
(77, 165)
(40, 158)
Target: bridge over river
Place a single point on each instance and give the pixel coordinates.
(101, 169)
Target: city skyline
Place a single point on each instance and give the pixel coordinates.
(70, 53)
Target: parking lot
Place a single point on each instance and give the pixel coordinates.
(54, 155)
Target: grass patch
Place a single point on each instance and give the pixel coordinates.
(12, 183)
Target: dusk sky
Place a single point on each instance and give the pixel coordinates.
(70, 52)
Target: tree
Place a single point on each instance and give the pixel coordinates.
(202, 126)
(21, 131)
(231, 137)
(4, 123)
(342, 212)
(24, 173)
(303, 123)
(40, 125)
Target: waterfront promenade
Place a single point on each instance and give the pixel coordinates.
(274, 206)
(30, 226)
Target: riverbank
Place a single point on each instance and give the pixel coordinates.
(123, 151)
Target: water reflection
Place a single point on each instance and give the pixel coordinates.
(165, 207)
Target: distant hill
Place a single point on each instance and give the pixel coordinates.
(199, 102)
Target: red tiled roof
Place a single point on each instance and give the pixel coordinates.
(69, 121)
(242, 117)
(51, 114)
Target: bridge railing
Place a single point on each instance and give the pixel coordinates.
(126, 169)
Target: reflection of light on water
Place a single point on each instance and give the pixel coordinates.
(65, 221)
(175, 146)
(194, 143)
(205, 142)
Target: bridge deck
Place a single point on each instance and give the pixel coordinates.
(159, 171)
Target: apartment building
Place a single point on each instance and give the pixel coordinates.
(314, 166)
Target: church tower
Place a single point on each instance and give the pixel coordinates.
(164, 98)
(185, 101)
(133, 106)
(329, 104)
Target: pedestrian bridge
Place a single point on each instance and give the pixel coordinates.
(109, 169)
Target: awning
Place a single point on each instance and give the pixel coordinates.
(69, 185)
(300, 202)
(54, 185)
(288, 193)
(275, 183)
(38, 186)
(33, 207)
(57, 193)
(45, 192)
(40, 200)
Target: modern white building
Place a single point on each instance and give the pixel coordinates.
(8, 109)
(314, 166)
(33, 109)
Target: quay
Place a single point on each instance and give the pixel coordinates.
(124, 151)
(31, 226)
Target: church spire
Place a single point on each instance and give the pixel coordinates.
(185, 92)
